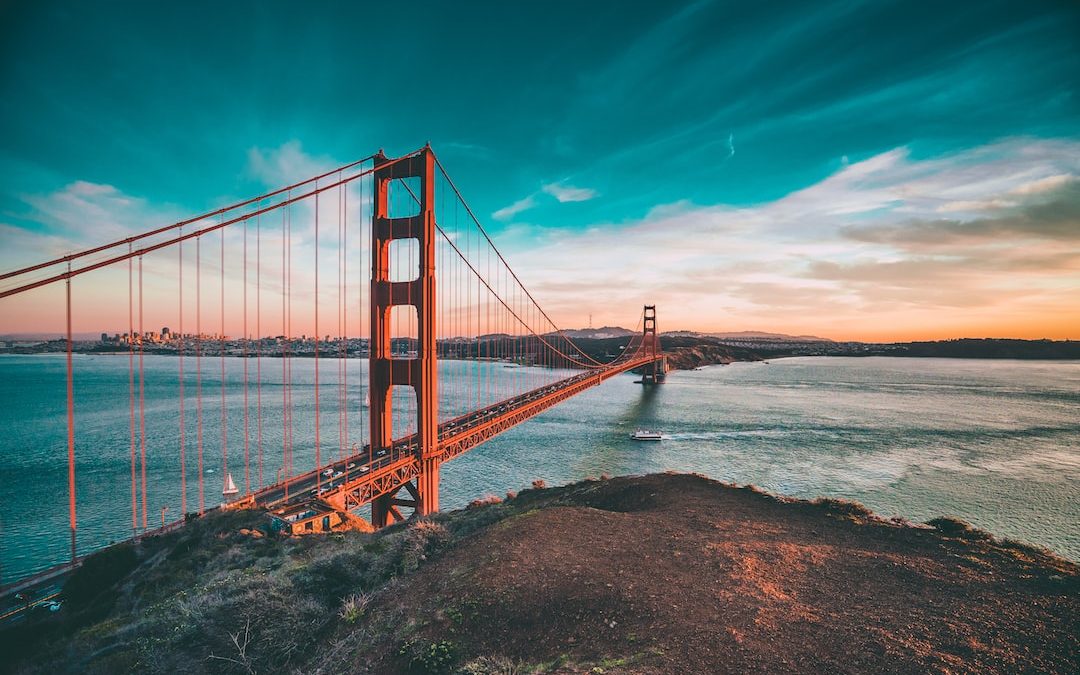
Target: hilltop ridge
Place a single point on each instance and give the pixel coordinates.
(650, 574)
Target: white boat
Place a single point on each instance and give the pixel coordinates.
(230, 486)
(646, 435)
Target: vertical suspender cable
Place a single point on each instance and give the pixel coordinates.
(198, 371)
(244, 354)
(318, 458)
(363, 270)
(224, 421)
(70, 424)
(180, 358)
(341, 431)
(284, 343)
(288, 360)
(142, 397)
(344, 195)
(258, 343)
(131, 392)
(487, 328)
(413, 310)
(287, 318)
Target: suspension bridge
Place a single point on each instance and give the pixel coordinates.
(378, 271)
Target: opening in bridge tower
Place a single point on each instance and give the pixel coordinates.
(418, 372)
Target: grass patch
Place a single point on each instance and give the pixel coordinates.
(354, 606)
(842, 507)
(954, 527)
(493, 665)
(428, 658)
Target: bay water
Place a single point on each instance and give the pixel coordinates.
(996, 443)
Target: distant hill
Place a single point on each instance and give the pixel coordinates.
(599, 333)
(43, 337)
(749, 335)
(980, 348)
(607, 332)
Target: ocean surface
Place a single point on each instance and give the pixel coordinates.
(996, 443)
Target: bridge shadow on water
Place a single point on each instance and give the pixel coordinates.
(617, 454)
(644, 410)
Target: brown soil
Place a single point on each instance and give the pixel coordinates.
(680, 574)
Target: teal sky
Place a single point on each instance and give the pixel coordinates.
(562, 119)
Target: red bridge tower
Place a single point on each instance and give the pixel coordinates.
(654, 372)
(420, 372)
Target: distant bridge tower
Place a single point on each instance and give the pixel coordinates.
(419, 372)
(650, 340)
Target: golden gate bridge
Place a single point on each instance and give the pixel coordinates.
(437, 289)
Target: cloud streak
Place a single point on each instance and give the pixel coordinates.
(563, 194)
(508, 212)
(83, 214)
(568, 193)
(862, 254)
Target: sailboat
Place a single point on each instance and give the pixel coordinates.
(230, 486)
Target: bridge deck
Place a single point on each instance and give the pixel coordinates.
(360, 478)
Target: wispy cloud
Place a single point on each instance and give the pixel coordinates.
(1040, 216)
(508, 212)
(83, 214)
(865, 248)
(285, 164)
(864, 253)
(568, 193)
(562, 193)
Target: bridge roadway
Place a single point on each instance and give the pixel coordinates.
(360, 478)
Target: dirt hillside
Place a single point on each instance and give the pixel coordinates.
(656, 574)
(679, 574)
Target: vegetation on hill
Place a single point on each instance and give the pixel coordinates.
(653, 574)
(985, 348)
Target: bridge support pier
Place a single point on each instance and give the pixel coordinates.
(420, 373)
(656, 371)
(423, 498)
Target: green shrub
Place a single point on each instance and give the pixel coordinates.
(429, 658)
(954, 527)
(845, 507)
(354, 607)
(421, 540)
(492, 665)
